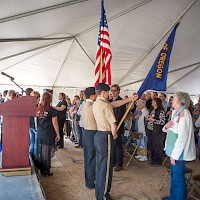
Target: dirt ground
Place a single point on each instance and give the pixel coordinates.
(139, 182)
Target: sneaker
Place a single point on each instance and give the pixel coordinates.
(143, 158)
(138, 156)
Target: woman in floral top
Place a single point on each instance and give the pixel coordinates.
(155, 123)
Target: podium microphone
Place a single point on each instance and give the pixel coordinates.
(7, 76)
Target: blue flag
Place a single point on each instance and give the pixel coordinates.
(157, 76)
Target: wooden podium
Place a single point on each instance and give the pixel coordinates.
(15, 135)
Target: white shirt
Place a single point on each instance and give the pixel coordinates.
(141, 125)
(80, 114)
(185, 144)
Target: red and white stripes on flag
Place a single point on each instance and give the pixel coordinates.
(103, 55)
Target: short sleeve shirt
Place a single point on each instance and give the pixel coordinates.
(44, 123)
(62, 114)
(103, 114)
(89, 122)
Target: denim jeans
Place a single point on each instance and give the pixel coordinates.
(80, 136)
(178, 189)
(33, 140)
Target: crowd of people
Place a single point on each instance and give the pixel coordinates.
(91, 121)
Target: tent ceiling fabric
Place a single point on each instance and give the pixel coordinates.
(138, 29)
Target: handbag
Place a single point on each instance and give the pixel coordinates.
(142, 151)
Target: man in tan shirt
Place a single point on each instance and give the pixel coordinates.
(90, 129)
(103, 141)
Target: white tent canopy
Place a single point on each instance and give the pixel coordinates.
(52, 44)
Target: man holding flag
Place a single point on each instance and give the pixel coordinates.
(103, 113)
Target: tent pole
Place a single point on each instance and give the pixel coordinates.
(34, 39)
(41, 10)
(30, 57)
(114, 17)
(63, 63)
(157, 42)
(183, 77)
(175, 70)
(84, 51)
(30, 50)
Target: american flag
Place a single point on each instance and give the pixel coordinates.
(103, 55)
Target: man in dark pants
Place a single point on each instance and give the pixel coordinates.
(103, 141)
(90, 129)
(119, 113)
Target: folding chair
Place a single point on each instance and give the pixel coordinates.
(196, 180)
(187, 171)
(135, 138)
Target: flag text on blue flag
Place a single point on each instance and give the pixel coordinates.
(157, 76)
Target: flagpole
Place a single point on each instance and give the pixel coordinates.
(100, 70)
(125, 114)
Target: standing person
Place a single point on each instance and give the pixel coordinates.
(148, 101)
(155, 123)
(179, 145)
(32, 130)
(141, 106)
(28, 91)
(47, 134)
(9, 96)
(197, 105)
(5, 92)
(163, 98)
(80, 126)
(90, 129)
(103, 141)
(119, 113)
(143, 97)
(81, 97)
(79, 121)
(169, 109)
(1, 98)
(155, 95)
(73, 116)
(197, 125)
(68, 124)
(61, 108)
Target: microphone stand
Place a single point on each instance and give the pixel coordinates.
(23, 91)
(12, 79)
